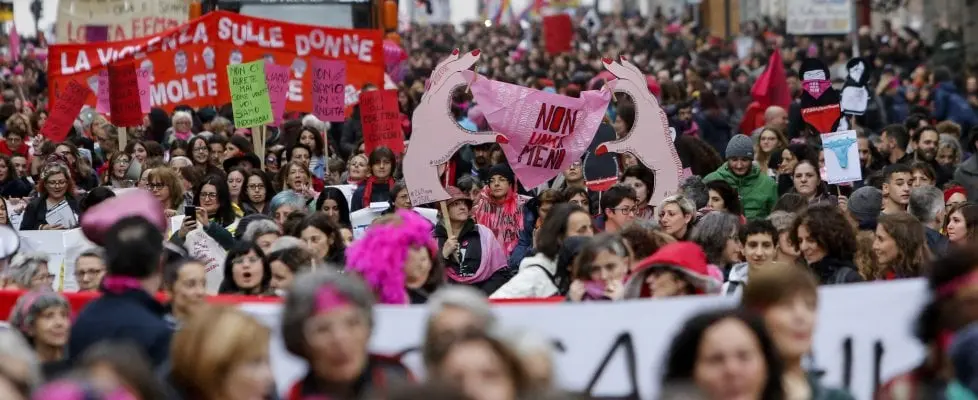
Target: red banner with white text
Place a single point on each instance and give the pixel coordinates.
(188, 64)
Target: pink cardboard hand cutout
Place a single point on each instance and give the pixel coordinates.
(436, 135)
(649, 139)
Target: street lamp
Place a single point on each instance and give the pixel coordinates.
(36, 9)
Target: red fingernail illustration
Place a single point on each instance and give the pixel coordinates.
(475, 53)
(501, 139)
(606, 60)
(601, 150)
(455, 52)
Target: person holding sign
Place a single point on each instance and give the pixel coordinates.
(470, 252)
(55, 207)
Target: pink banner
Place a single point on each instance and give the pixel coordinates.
(547, 132)
(142, 80)
(328, 89)
(277, 78)
(102, 92)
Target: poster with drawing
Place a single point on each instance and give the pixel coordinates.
(841, 157)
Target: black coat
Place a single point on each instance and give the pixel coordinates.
(380, 194)
(19, 187)
(133, 315)
(35, 214)
(470, 245)
(832, 271)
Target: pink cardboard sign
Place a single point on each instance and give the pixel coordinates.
(277, 78)
(649, 140)
(547, 132)
(442, 136)
(328, 89)
(142, 81)
(102, 105)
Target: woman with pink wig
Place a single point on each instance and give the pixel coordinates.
(398, 258)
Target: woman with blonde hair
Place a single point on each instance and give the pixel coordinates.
(222, 353)
(769, 141)
(167, 186)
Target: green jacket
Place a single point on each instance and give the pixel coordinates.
(758, 192)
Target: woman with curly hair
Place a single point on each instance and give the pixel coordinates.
(399, 259)
(827, 244)
(900, 247)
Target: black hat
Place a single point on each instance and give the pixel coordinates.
(242, 157)
(502, 169)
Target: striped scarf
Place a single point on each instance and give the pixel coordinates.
(504, 217)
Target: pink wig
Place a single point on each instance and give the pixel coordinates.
(379, 256)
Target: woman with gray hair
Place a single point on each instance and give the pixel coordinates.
(783, 221)
(262, 232)
(44, 320)
(29, 271)
(327, 320)
(717, 233)
(284, 203)
(452, 311)
(676, 216)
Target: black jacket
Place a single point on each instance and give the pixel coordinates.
(132, 315)
(470, 247)
(380, 194)
(35, 214)
(832, 271)
(19, 187)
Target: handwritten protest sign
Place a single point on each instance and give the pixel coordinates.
(142, 78)
(102, 94)
(841, 157)
(117, 19)
(277, 78)
(328, 89)
(125, 106)
(547, 132)
(381, 122)
(66, 107)
(819, 17)
(249, 94)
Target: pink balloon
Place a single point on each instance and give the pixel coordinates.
(97, 221)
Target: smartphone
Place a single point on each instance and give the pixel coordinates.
(190, 212)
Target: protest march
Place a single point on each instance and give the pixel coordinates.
(488, 200)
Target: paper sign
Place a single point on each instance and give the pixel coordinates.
(441, 136)
(819, 17)
(96, 33)
(601, 172)
(277, 77)
(124, 102)
(841, 157)
(381, 120)
(547, 132)
(142, 79)
(102, 92)
(558, 31)
(249, 94)
(328, 89)
(66, 107)
(650, 139)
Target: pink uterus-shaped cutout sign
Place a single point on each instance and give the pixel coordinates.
(649, 140)
(436, 135)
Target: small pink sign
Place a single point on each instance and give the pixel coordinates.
(328, 89)
(277, 79)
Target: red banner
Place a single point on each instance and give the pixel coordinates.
(188, 63)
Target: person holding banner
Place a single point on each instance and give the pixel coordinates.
(376, 188)
(55, 201)
(471, 255)
(44, 318)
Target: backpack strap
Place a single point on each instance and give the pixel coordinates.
(553, 278)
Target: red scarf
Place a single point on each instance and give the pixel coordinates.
(504, 217)
(369, 189)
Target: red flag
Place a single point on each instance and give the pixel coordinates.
(558, 30)
(771, 88)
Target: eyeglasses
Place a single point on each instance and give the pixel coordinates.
(56, 183)
(156, 186)
(256, 187)
(626, 210)
(208, 195)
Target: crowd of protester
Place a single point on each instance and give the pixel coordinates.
(754, 219)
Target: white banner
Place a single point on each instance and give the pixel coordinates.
(863, 329)
(819, 17)
(125, 19)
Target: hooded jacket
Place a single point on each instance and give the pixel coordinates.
(758, 192)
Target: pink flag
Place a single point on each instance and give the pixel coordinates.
(277, 78)
(102, 94)
(547, 132)
(14, 42)
(142, 81)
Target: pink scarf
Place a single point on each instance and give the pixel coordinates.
(182, 135)
(493, 259)
(504, 218)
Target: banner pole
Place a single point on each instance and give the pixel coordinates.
(123, 138)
